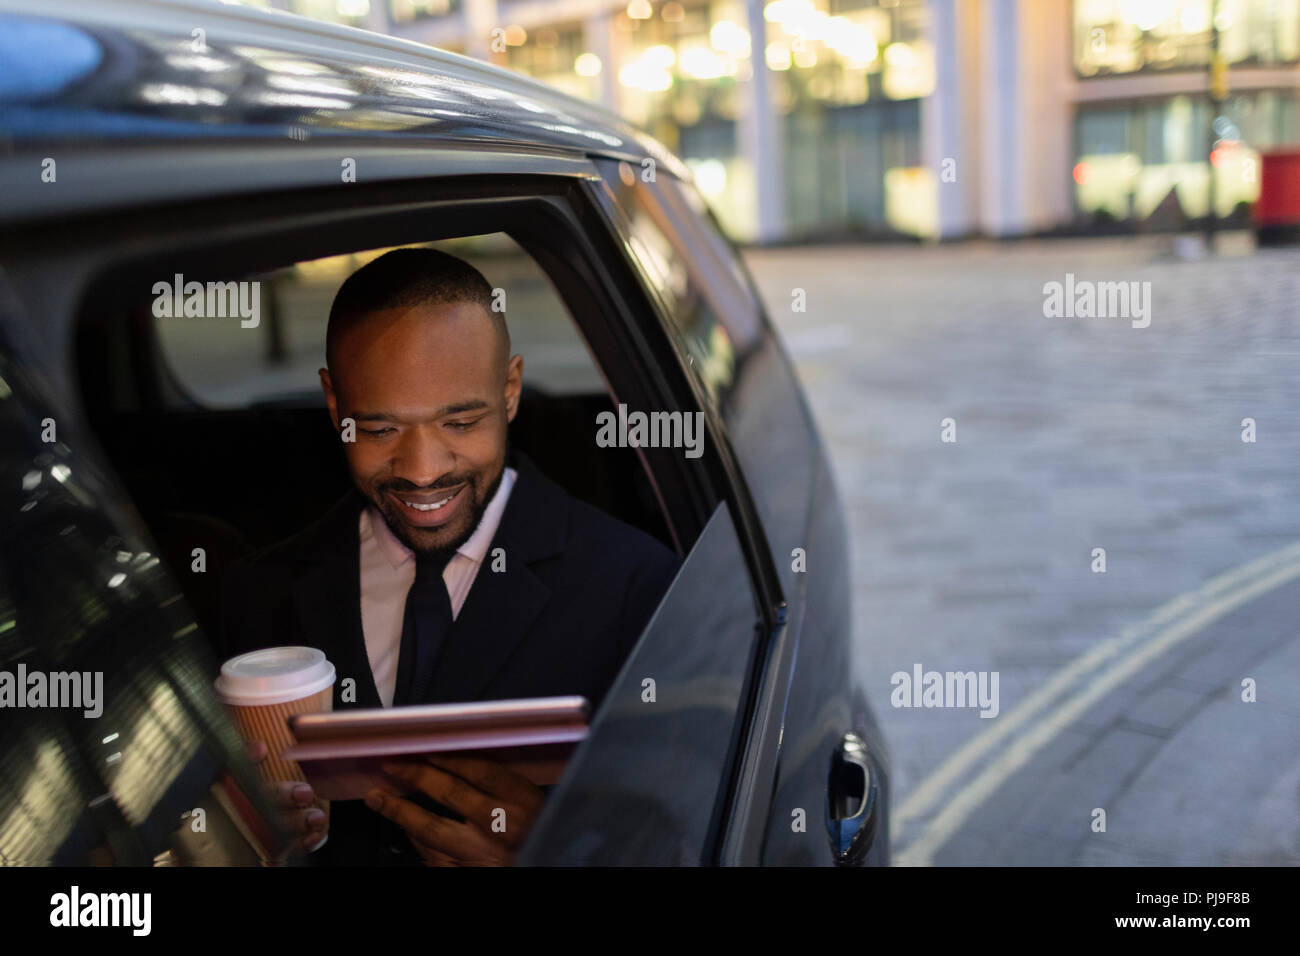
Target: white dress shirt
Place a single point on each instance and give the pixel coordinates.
(388, 571)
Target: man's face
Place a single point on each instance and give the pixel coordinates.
(431, 396)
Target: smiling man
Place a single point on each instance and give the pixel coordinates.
(454, 570)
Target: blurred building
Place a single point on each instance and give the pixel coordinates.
(936, 118)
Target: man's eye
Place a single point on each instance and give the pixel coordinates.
(376, 431)
(462, 426)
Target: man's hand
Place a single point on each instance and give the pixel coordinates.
(499, 807)
(294, 801)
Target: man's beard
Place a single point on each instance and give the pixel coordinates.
(402, 531)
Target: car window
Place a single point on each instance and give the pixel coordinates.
(127, 746)
(712, 303)
(276, 361)
(646, 785)
(226, 386)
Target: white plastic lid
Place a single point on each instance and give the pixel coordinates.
(275, 675)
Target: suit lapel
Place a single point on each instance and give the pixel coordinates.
(327, 598)
(503, 605)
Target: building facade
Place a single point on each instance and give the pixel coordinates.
(932, 118)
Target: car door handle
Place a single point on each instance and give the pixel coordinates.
(852, 797)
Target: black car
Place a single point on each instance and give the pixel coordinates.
(149, 148)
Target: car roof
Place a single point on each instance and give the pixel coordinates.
(126, 72)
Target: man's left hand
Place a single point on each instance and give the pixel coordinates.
(499, 807)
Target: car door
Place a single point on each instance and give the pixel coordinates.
(812, 780)
(549, 218)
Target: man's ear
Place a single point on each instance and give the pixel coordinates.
(514, 383)
(327, 386)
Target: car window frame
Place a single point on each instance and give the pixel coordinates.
(617, 336)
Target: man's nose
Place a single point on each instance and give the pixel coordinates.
(422, 457)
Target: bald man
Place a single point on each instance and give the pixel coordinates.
(391, 584)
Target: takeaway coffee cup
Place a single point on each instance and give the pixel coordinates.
(262, 689)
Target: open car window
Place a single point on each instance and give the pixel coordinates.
(244, 376)
(275, 361)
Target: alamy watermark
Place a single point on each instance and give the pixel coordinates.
(922, 688)
(57, 689)
(1084, 299)
(651, 430)
(75, 908)
(179, 299)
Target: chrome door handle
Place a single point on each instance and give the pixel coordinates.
(852, 796)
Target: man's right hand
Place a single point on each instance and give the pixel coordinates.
(294, 799)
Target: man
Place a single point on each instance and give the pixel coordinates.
(454, 571)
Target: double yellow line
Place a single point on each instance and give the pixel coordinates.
(1051, 708)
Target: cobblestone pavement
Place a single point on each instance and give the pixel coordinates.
(1071, 434)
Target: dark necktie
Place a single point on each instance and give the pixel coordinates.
(424, 631)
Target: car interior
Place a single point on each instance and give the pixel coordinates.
(221, 436)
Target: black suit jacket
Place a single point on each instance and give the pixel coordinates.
(577, 590)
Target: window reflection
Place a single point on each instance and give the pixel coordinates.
(707, 299)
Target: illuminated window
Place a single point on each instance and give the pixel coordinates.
(1127, 36)
(557, 55)
(353, 13)
(1131, 157)
(409, 11)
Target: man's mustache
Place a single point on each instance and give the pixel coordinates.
(401, 484)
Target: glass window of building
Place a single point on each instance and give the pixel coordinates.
(352, 13)
(1132, 157)
(679, 69)
(846, 74)
(556, 55)
(848, 77)
(413, 11)
(1126, 36)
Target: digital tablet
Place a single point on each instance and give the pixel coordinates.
(341, 751)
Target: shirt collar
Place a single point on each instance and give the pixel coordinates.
(474, 548)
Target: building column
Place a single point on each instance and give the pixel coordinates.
(1047, 113)
(480, 19)
(950, 135)
(1024, 116)
(1000, 81)
(758, 132)
(599, 36)
(377, 20)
